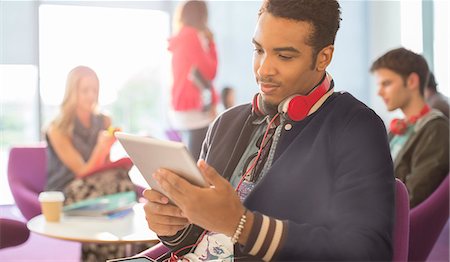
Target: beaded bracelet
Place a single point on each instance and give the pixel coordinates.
(239, 228)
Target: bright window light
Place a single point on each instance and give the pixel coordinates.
(17, 80)
(117, 43)
(441, 46)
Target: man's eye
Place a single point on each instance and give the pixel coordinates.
(283, 57)
(258, 50)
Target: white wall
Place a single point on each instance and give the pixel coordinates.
(349, 64)
(384, 25)
(233, 24)
(18, 32)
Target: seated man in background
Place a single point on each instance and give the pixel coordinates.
(434, 98)
(419, 143)
(303, 173)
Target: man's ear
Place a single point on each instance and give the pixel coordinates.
(324, 58)
(413, 81)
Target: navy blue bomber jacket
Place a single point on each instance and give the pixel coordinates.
(329, 194)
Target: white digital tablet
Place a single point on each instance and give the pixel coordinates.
(149, 154)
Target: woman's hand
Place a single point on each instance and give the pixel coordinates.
(105, 141)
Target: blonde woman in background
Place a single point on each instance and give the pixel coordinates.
(78, 143)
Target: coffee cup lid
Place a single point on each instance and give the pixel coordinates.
(51, 196)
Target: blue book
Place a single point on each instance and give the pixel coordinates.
(114, 205)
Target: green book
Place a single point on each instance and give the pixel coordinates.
(104, 206)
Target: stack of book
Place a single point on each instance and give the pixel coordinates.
(108, 206)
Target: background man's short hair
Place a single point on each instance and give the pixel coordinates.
(404, 62)
(432, 85)
(323, 15)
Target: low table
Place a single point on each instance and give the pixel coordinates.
(131, 228)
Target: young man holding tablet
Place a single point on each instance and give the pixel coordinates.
(303, 173)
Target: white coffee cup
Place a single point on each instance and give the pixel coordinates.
(51, 205)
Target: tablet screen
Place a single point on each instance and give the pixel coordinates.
(149, 154)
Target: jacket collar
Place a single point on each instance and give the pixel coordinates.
(420, 124)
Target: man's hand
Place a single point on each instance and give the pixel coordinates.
(216, 208)
(162, 218)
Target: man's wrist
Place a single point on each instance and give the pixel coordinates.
(247, 228)
(239, 228)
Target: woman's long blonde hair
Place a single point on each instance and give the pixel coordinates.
(64, 122)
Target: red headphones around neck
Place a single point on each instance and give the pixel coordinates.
(399, 126)
(296, 107)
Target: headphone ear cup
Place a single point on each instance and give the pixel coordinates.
(398, 126)
(298, 108)
(257, 107)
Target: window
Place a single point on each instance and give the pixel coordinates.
(18, 115)
(441, 44)
(411, 25)
(126, 47)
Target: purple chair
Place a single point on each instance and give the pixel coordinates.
(427, 221)
(401, 225)
(12, 233)
(27, 175)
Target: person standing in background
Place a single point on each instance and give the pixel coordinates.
(194, 66)
(79, 143)
(434, 98)
(228, 97)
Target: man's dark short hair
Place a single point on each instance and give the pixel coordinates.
(432, 85)
(404, 62)
(323, 15)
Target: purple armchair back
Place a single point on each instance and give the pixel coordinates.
(12, 233)
(27, 174)
(401, 226)
(427, 221)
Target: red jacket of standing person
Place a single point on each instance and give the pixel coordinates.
(188, 51)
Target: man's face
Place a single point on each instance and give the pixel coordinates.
(282, 60)
(392, 89)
